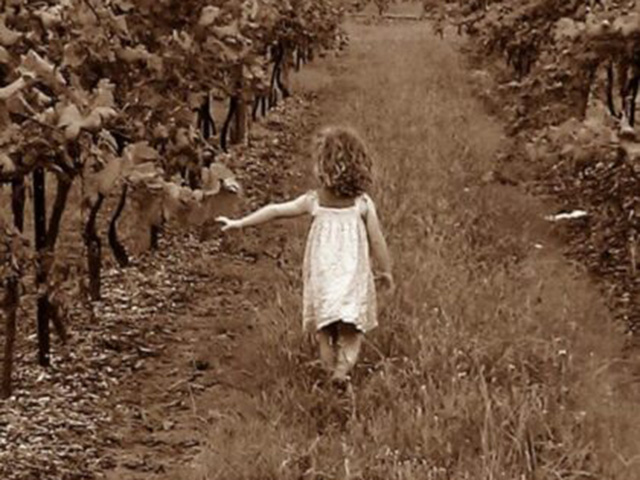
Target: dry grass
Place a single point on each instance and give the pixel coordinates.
(495, 360)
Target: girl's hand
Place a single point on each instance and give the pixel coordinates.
(386, 279)
(228, 223)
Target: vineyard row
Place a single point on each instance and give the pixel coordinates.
(119, 95)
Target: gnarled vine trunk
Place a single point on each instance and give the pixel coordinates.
(12, 293)
(206, 122)
(10, 304)
(18, 198)
(155, 232)
(239, 130)
(45, 242)
(224, 133)
(40, 231)
(94, 249)
(119, 252)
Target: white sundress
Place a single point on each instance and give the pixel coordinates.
(338, 280)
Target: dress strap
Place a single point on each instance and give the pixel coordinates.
(363, 202)
(315, 202)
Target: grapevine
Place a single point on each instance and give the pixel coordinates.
(572, 91)
(119, 95)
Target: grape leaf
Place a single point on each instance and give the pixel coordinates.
(6, 164)
(5, 56)
(108, 177)
(50, 16)
(8, 37)
(627, 25)
(70, 119)
(209, 15)
(567, 28)
(141, 153)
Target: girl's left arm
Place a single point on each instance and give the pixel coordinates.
(293, 208)
(377, 241)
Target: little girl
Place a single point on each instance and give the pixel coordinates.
(339, 300)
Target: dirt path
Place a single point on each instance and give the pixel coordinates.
(209, 359)
(492, 361)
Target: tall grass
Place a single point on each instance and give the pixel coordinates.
(494, 360)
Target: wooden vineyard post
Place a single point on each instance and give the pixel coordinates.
(40, 228)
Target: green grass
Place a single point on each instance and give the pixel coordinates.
(494, 360)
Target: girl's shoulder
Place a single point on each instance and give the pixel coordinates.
(366, 203)
(311, 200)
(317, 199)
(364, 197)
(311, 197)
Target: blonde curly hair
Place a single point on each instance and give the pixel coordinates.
(343, 160)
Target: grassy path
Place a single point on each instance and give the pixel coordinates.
(495, 360)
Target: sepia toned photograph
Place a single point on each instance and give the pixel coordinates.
(319, 240)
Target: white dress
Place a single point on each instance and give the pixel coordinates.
(338, 280)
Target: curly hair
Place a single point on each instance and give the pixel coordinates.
(343, 160)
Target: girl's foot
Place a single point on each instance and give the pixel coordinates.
(341, 383)
(345, 398)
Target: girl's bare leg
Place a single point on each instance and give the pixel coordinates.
(327, 342)
(348, 342)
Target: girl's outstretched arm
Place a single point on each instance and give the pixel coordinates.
(378, 243)
(294, 208)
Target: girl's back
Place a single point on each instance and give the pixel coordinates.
(338, 280)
